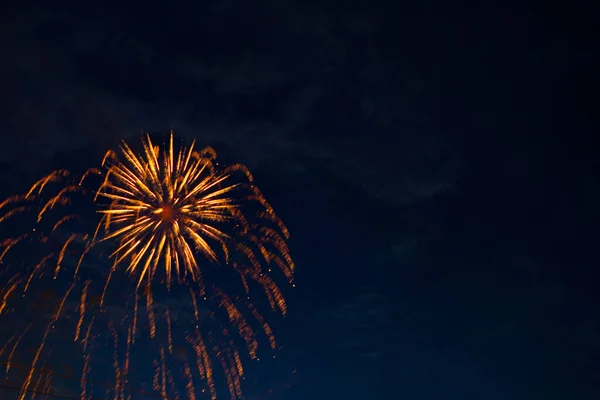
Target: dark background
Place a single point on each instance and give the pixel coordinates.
(435, 162)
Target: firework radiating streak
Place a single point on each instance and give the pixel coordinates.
(203, 361)
(169, 335)
(118, 376)
(63, 250)
(43, 342)
(163, 374)
(189, 386)
(127, 352)
(47, 383)
(156, 377)
(150, 310)
(171, 381)
(81, 309)
(37, 269)
(85, 371)
(6, 345)
(10, 243)
(134, 322)
(38, 381)
(11, 289)
(10, 356)
(87, 334)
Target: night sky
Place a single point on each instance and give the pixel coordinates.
(434, 162)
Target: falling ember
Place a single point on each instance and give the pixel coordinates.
(84, 372)
(163, 374)
(168, 215)
(169, 335)
(39, 379)
(189, 386)
(81, 309)
(47, 382)
(150, 310)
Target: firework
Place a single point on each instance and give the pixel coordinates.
(168, 206)
(168, 218)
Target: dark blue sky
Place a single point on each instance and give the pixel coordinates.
(435, 162)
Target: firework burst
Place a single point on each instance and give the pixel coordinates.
(166, 207)
(173, 217)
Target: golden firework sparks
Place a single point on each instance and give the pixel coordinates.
(173, 213)
(166, 206)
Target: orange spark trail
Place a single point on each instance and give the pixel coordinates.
(169, 337)
(15, 347)
(82, 309)
(37, 354)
